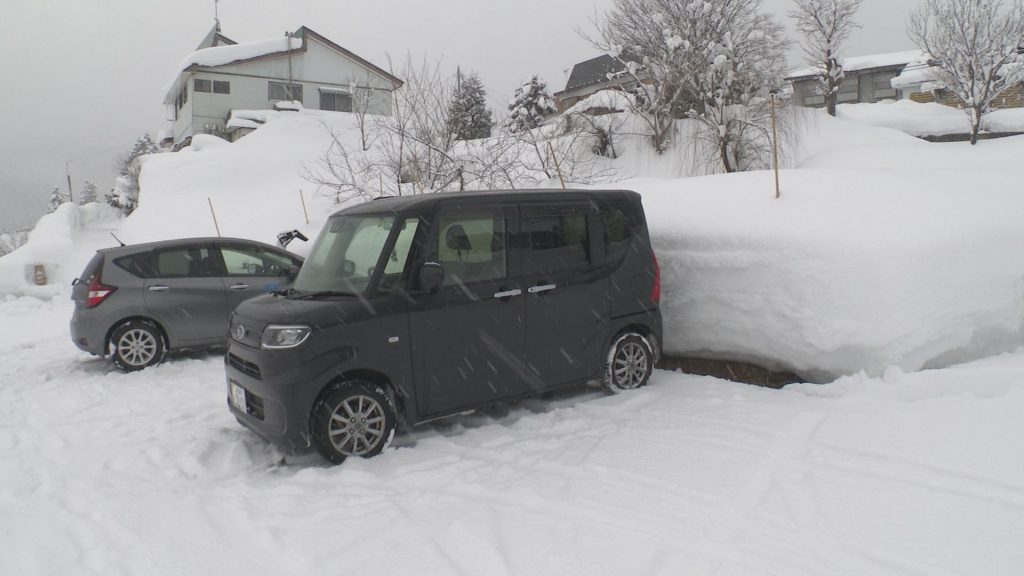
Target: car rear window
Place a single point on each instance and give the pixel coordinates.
(91, 268)
(138, 265)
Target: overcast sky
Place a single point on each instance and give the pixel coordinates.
(83, 78)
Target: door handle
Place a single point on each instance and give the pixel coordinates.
(239, 286)
(541, 289)
(159, 288)
(507, 293)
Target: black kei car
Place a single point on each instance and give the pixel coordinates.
(414, 308)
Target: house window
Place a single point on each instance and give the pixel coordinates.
(221, 87)
(335, 101)
(282, 91)
(201, 85)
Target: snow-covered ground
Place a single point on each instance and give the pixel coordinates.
(885, 256)
(147, 473)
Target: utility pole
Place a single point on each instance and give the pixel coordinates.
(67, 171)
(775, 146)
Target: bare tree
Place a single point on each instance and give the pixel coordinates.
(826, 25)
(414, 150)
(714, 61)
(976, 46)
(737, 62)
(635, 34)
(362, 104)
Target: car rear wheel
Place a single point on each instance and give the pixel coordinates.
(136, 345)
(629, 363)
(355, 419)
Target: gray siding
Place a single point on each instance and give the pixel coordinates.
(867, 86)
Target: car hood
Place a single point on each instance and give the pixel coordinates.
(319, 314)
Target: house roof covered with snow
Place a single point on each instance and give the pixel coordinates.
(594, 71)
(863, 63)
(235, 53)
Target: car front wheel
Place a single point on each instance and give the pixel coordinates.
(136, 345)
(355, 419)
(629, 363)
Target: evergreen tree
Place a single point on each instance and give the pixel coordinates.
(88, 193)
(56, 199)
(530, 106)
(468, 115)
(125, 194)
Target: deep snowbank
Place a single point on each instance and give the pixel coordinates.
(848, 271)
(929, 119)
(61, 242)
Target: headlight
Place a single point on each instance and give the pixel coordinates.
(278, 337)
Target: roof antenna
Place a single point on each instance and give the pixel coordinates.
(216, 14)
(118, 239)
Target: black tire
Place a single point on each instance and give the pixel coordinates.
(136, 345)
(628, 364)
(354, 419)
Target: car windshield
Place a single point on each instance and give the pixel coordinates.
(344, 257)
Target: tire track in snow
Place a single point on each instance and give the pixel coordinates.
(952, 481)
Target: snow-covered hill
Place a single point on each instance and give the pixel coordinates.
(884, 250)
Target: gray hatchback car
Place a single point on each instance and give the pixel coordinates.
(137, 302)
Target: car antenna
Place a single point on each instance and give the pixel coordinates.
(118, 239)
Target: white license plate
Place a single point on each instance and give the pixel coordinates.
(238, 397)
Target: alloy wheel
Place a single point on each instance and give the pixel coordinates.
(630, 365)
(137, 347)
(357, 425)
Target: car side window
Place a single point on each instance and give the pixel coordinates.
(186, 262)
(253, 261)
(558, 240)
(617, 228)
(471, 245)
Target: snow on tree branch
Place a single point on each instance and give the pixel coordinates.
(976, 49)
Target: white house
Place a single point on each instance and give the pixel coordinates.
(222, 75)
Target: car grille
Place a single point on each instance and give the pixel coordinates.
(245, 367)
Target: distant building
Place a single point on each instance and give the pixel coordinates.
(918, 82)
(867, 79)
(592, 76)
(222, 75)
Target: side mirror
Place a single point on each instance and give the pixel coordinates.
(431, 277)
(348, 268)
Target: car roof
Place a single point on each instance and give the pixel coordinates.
(425, 202)
(180, 241)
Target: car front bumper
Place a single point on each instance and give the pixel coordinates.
(277, 404)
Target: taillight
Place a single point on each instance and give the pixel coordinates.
(656, 289)
(98, 292)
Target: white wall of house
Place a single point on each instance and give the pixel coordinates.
(318, 69)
